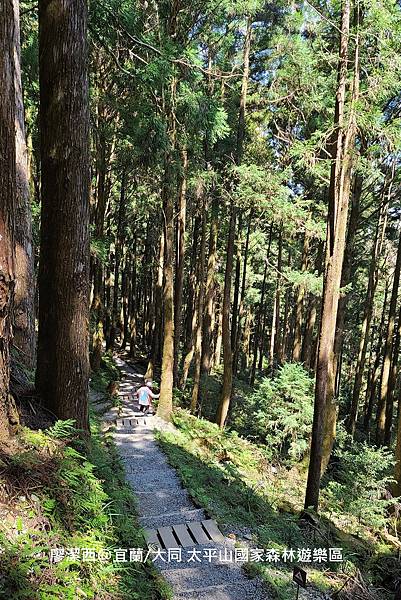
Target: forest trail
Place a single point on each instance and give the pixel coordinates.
(163, 504)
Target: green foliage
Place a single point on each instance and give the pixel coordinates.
(71, 500)
(279, 412)
(362, 475)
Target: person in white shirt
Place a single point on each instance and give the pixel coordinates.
(145, 396)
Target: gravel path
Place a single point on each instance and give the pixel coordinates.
(202, 573)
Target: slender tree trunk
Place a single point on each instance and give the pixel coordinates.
(388, 349)
(63, 362)
(392, 383)
(235, 303)
(296, 353)
(179, 277)
(243, 288)
(24, 293)
(368, 311)
(158, 329)
(191, 317)
(222, 410)
(342, 153)
(226, 339)
(375, 375)
(201, 301)
(219, 339)
(209, 303)
(132, 307)
(119, 241)
(8, 207)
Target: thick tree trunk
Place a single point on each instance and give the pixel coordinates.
(8, 206)
(330, 425)
(165, 407)
(24, 311)
(342, 153)
(63, 366)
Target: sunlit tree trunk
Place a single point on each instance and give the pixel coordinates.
(342, 152)
(24, 312)
(179, 276)
(8, 206)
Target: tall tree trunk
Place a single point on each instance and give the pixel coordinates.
(392, 382)
(242, 294)
(342, 153)
(368, 311)
(119, 241)
(133, 306)
(180, 259)
(157, 337)
(330, 425)
(296, 353)
(261, 318)
(200, 301)
(166, 387)
(275, 340)
(165, 407)
(63, 363)
(388, 350)
(24, 312)
(373, 380)
(225, 398)
(235, 303)
(8, 206)
(209, 302)
(226, 339)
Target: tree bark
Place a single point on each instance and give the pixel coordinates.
(388, 349)
(180, 259)
(226, 339)
(209, 302)
(63, 365)
(24, 310)
(200, 301)
(8, 207)
(367, 317)
(296, 353)
(336, 229)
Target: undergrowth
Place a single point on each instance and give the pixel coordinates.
(236, 482)
(58, 493)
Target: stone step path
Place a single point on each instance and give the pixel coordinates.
(200, 565)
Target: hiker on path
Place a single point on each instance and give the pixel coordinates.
(145, 396)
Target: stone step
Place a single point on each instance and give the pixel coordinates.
(185, 535)
(173, 518)
(246, 590)
(194, 576)
(161, 502)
